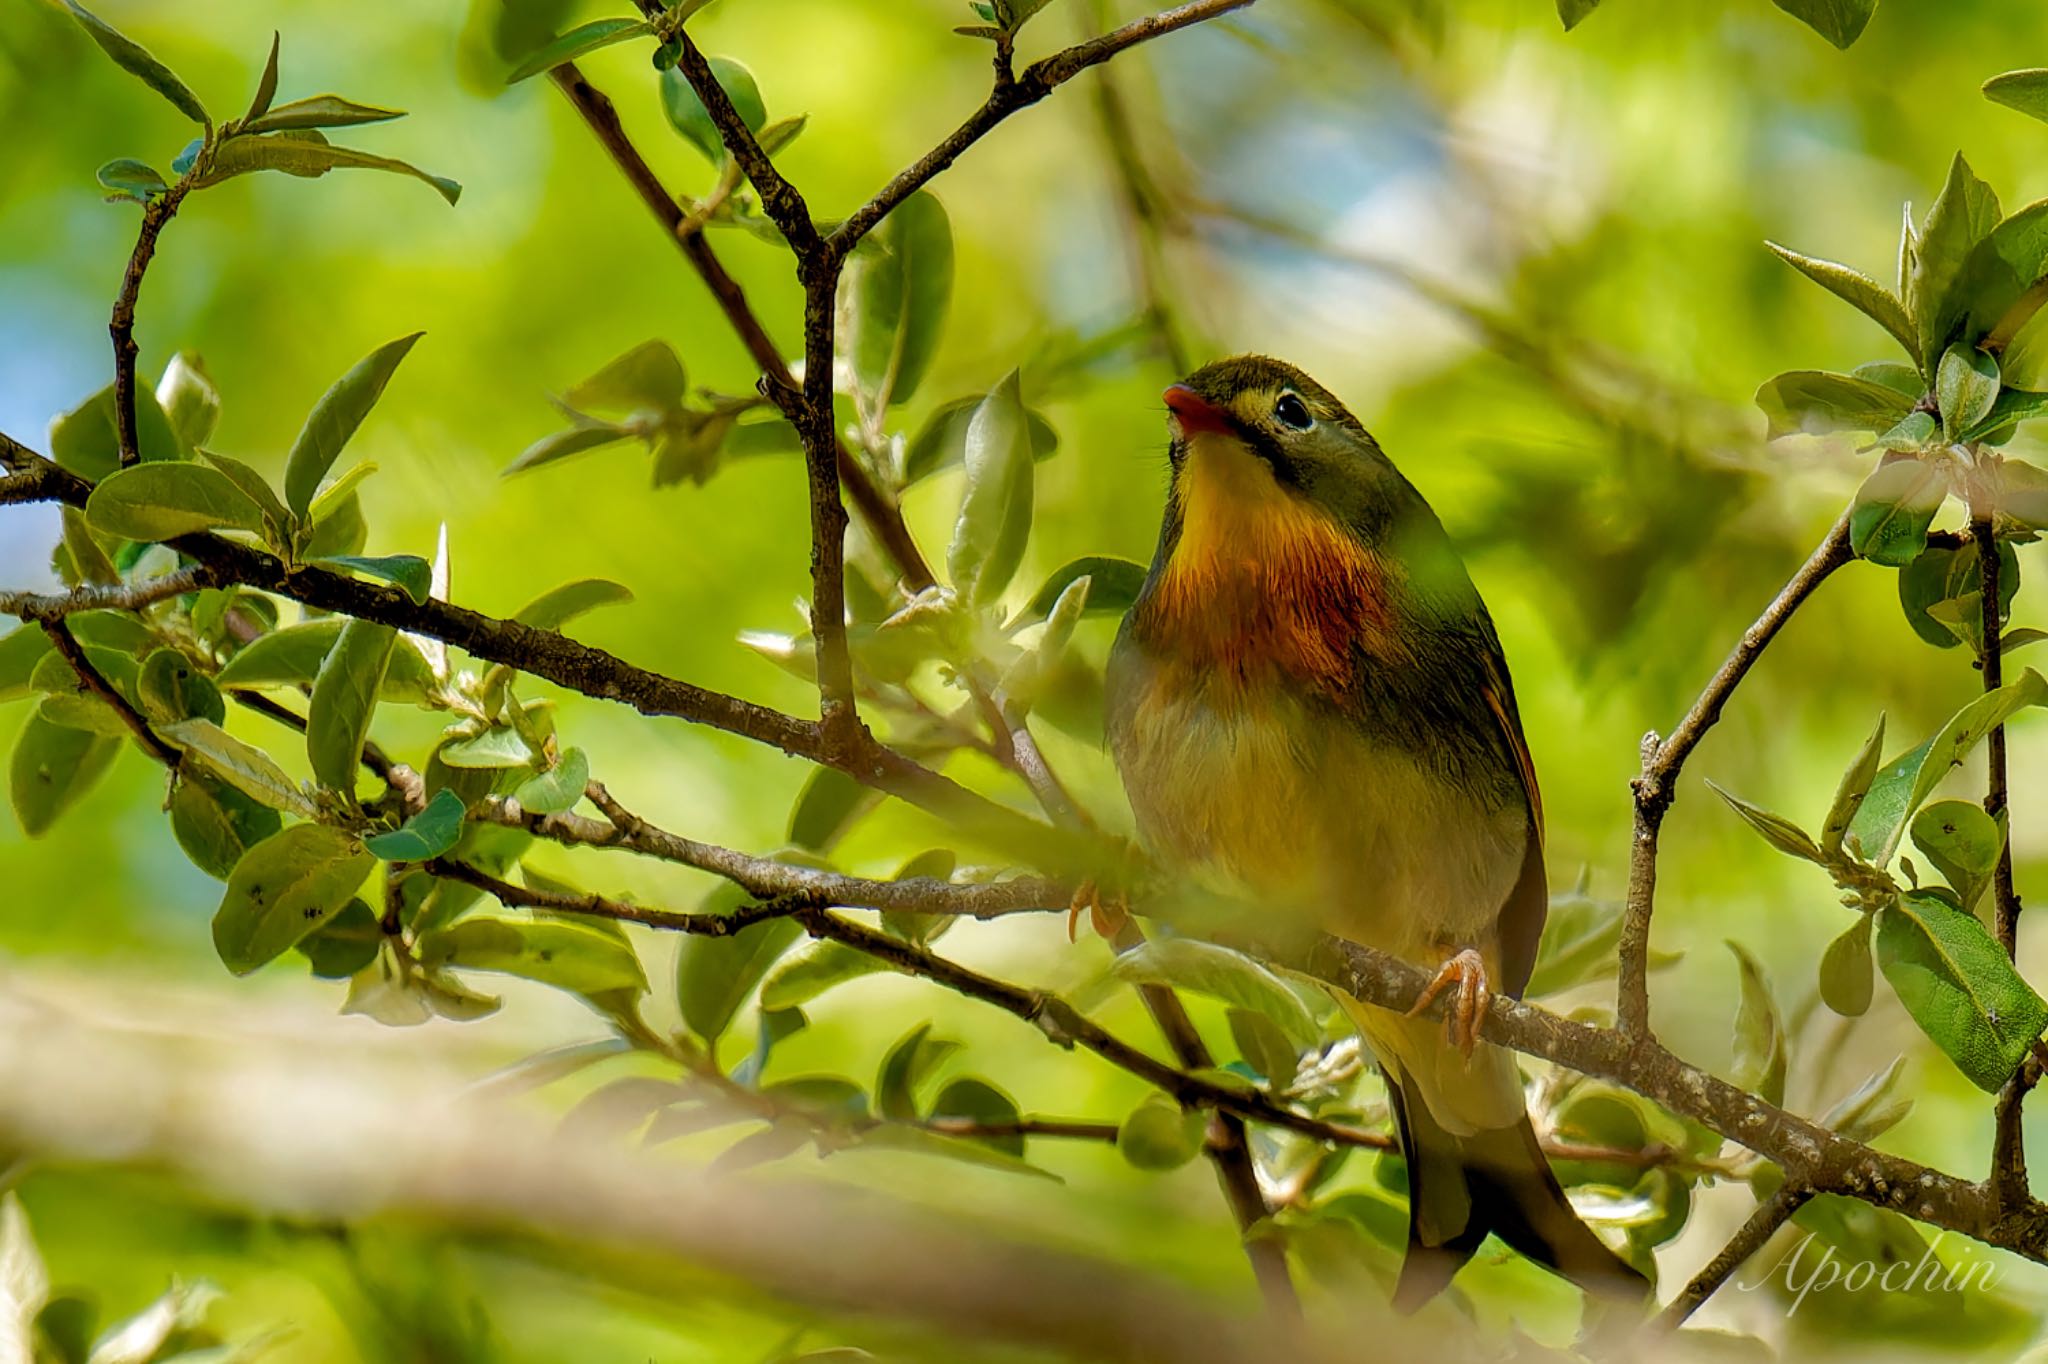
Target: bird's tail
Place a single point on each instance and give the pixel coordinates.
(1491, 1180)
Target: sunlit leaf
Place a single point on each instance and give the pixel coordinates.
(52, 768)
(577, 42)
(345, 701)
(1759, 1033)
(136, 60)
(319, 111)
(1905, 783)
(2026, 91)
(558, 606)
(1845, 970)
(569, 956)
(1856, 289)
(334, 420)
(1959, 986)
(1779, 832)
(1159, 1135)
(995, 510)
(309, 154)
(431, 832)
(284, 888)
(1889, 519)
(1962, 842)
(688, 116)
(898, 288)
(162, 501)
(1216, 971)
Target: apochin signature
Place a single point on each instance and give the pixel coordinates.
(1828, 1271)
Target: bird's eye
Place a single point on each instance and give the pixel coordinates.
(1292, 411)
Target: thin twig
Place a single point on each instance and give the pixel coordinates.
(156, 214)
(67, 645)
(106, 597)
(881, 514)
(1656, 787)
(1036, 81)
(1770, 1214)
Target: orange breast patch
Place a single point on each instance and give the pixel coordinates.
(1261, 578)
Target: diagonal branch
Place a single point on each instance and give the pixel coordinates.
(1770, 1214)
(883, 517)
(780, 200)
(1656, 787)
(156, 214)
(1036, 81)
(67, 644)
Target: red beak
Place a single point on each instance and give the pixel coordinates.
(1196, 413)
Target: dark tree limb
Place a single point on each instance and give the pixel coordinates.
(156, 214)
(67, 645)
(1656, 787)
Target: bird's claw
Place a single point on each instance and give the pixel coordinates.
(1467, 1015)
(1106, 917)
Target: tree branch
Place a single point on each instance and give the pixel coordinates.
(877, 509)
(1655, 788)
(781, 200)
(41, 606)
(1037, 81)
(156, 214)
(67, 645)
(1770, 1214)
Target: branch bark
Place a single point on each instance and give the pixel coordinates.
(156, 214)
(1656, 787)
(1763, 1224)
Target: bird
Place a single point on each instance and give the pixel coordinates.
(1310, 707)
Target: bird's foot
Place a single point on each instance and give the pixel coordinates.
(1106, 916)
(1467, 1015)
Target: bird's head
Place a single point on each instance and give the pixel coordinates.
(1266, 461)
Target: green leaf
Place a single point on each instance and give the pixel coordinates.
(89, 561)
(215, 823)
(249, 770)
(553, 609)
(20, 650)
(319, 111)
(83, 439)
(170, 688)
(1779, 832)
(429, 833)
(1906, 782)
(647, 378)
(52, 768)
(1816, 402)
(288, 657)
(688, 116)
(1915, 432)
(1868, 1112)
(1966, 385)
(339, 492)
(1234, 978)
(1962, 842)
(577, 42)
(1940, 574)
(1839, 21)
(165, 500)
(276, 520)
(714, 976)
(136, 60)
(131, 177)
(813, 969)
(1851, 790)
(283, 889)
(345, 944)
(1159, 1135)
(826, 807)
(1889, 518)
(569, 956)
(2000, 272)
(1845, 971)
(1759, 1033)
(2014, 406)
(1113, 586)
(309, 155)
(408, 571)
(345, 700)
(1572, 12)
(995, 510)
(498, 746)
(906, 1066)
(334, 419)
(1858, 290)
(910, 925)
(266, 84)
(559, 788)
(560, 445)
(1893, 374)
(2025, 90)
(1264, 1047)
(1964, 214)
(898, 288)
(942, 441)
(1959, 986)
(978, 1101)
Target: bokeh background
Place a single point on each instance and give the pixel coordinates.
(1531, 261)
